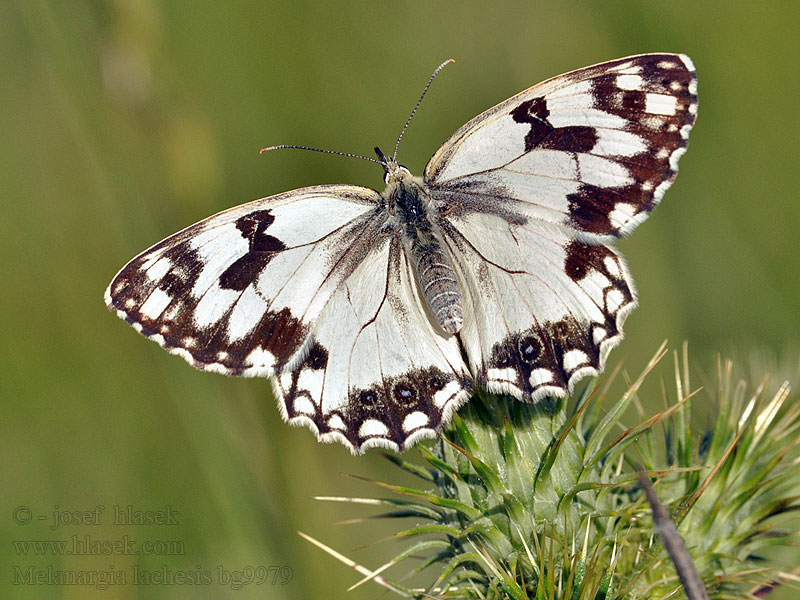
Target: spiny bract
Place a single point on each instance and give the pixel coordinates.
(542, 500)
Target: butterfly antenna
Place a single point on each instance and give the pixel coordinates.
(281, 146)
(425, 91)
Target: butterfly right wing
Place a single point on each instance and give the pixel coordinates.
(311, 289)
(238, 292)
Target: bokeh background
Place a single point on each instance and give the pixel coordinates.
(124, 121)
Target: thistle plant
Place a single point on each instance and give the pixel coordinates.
(543, 500)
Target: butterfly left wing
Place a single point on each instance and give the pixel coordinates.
(530, 193)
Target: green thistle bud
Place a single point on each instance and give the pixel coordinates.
(542, 500)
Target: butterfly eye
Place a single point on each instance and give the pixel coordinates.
(386, 178)
(404, 169)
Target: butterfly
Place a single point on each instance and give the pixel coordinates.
(376, 314)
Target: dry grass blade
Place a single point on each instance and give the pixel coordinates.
(673, 542)
(354, 565)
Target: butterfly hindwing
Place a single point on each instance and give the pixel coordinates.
(593, 150)
(542, 310)
(378, 373)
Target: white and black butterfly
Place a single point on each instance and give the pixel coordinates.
(376, 313)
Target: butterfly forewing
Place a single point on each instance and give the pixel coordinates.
(238, 292)
(593, 150)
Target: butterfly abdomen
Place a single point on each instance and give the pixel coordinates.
(422, 241)
(439, 284)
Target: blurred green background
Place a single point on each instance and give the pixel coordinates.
(122, 122)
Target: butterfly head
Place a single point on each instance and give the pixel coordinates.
(393, 172)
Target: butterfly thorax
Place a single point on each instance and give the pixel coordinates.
(415, 219)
